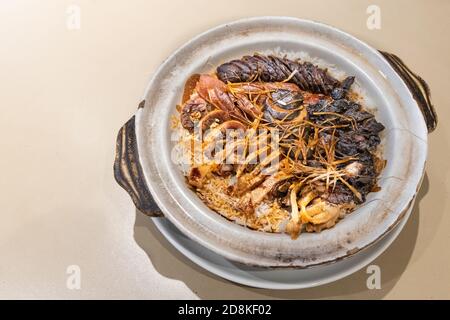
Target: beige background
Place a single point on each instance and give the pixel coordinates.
(64, 94)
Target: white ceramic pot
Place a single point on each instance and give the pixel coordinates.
(157, 186)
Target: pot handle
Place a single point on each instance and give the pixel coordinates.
(128, 171)
(418, 87)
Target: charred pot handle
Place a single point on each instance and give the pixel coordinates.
(418, 87)
(128, 171)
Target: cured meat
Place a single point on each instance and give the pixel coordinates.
(193, 111)
(273, 69)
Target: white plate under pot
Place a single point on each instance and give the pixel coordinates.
(277, 279)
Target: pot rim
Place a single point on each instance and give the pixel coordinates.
(171, 205)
